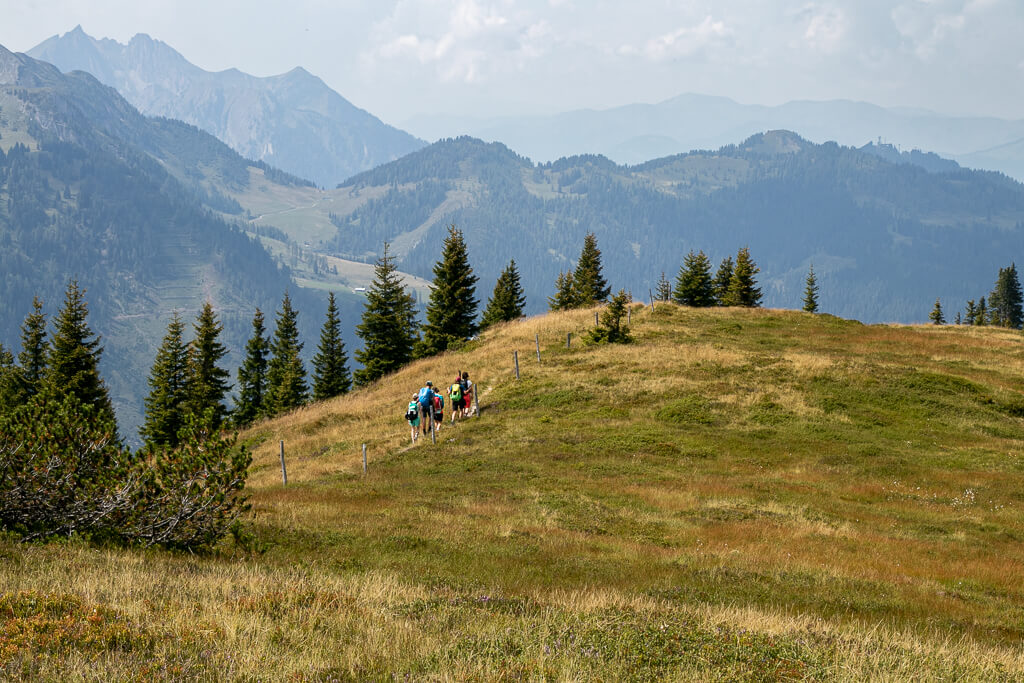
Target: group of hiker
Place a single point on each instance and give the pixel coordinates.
(426, 408)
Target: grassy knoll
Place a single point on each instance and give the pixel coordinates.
(739, 495)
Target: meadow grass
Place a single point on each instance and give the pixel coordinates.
(737, 495)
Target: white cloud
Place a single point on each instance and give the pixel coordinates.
(825, 28)
(684, 41)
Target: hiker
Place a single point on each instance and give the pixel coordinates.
(412, 414)
(425, 400)
(467, 395)
(438, 410)
(457, 398)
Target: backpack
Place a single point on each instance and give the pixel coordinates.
(438, 402)
(455, 393)
(424, 397)
(411, 413)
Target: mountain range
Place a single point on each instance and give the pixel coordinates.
(293, 121)
(634, 133)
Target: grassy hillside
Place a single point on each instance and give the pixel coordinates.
(738, 495)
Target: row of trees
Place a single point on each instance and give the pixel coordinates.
(64, 470)
(1004, 307)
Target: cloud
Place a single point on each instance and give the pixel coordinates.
(825, 28)
(684, 41)
(464, 41)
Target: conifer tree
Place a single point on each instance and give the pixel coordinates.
(208, 382)
(330, 364)
(169, 391)
(1005, 300)
(811, 292)
(507, 301)
(956, 321)
(981, 313)
(722, 279)
(612, 329)
(588, 282)
(663, 290)
(936, 315)
(34, 349)
(252, 374)
(743, 289)
(73, 363)
(694, 285)
(388, 326)
(565, 294)
(451, 310)
(10, 382)
(970, 313)
(286, 375)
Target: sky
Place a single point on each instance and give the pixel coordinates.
(401, 59)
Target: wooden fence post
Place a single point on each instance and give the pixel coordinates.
(568, 340)
(629, 314)
(536, 338)
(364, 458)
(433, 432)
(284, 472)
(596, 323)
(651, 294)
(515, 359)
(476, 406)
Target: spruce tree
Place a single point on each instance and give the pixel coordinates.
(722, 279)
(811, 292)
(286, 376)
(169, 391)
(743, 289)
(1005, 300)
(252, 374)
(970, 313)
(208, 382)
(73, 363)
(612, 328)
(956, 320)
(451, 310)
(507, 301)
(663, 290)
(936, 315)
(11, 387)
(330, 364)
(388, 327)
(565, 294)
(694, 285)
(34, 349)
(981, 313)
(588, 282)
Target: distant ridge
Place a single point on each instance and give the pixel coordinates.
(293, 121)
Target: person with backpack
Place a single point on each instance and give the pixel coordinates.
(438, 410)
(467, 395)
(425, 400)
(457, 398)
(412, 414)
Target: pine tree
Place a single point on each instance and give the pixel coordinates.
(981, 313)
(208, 382)
(34, 349)
(167, 402)
(565, 294)
(11, 386)
(936, 315)
(743, 289)
(970, 313)
(663, 290)
(612, 329)
(451, 310)
(73, 364)
(694, 285)
(811, 292)
(388, 326)
(286, 376)
(722, 279)
(590, 286)
(956, 320)
(507, 301)
(330, 364)
(1005, 300)
(252, 374)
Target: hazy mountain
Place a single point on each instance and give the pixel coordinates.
(885, 238)
(133, 208)
(293, 121)
(634, 133)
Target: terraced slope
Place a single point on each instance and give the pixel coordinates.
(738, 495)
